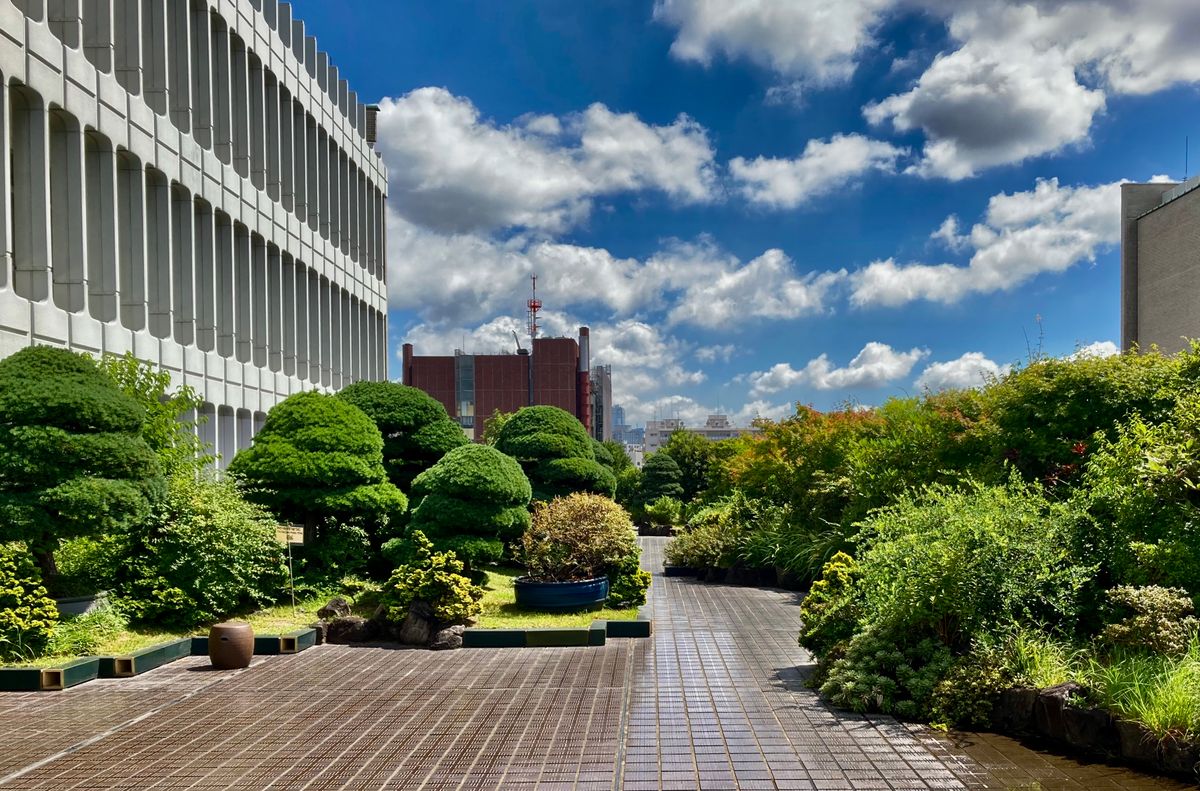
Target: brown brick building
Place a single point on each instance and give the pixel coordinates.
(473, 386)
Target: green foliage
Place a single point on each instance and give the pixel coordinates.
(206, 553)
(693, 454)
(664, 511)
(966, 695)
(957, 563)
(73, 460)
(83, 635)
(711, 539)
(556, 453)
(1160, 691)
(830, 611)
(577, 537)
(171, 413)
(603, 456)
(629, 481)
(620, 457)
(435, 578)
(627, 583)
(493, 425)
(1034, 658)
(319, 460)
(886, 671)
(27, 614)
(472, 502)
(660, 478)
(1152, 618)
(415, 427)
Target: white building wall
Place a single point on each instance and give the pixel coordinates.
(189, 180)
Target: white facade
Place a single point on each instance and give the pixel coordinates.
(191, 181)
(715, 429)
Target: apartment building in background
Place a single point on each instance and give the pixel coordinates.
(191, 181)
(716, 427)
(554, 372)
(1160, 264)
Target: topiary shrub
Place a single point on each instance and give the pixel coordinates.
(1152, 618)
(205, 553)
(416, 429)
(660, 478)
(318, 460)
(830, 611)
(472, 502)
(556, 453)
(664, 512)
(435, 578)
(27, 614)
(72, 458)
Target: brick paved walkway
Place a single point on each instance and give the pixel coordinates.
(713, 701)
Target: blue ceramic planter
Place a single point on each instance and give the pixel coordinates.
(560, 595)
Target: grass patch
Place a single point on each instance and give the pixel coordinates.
(1160, 692)
(500, 610)
(105, 633)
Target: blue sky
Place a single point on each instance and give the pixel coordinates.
(758, 202)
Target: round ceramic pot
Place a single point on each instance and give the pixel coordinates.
(535, 595)
(230, 645)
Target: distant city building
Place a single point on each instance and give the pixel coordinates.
(715, 428)
(602, 405)
(473, 386)
(619, 426)
(194, 182)
(1160, 264)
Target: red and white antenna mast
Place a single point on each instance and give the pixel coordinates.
(534, 304)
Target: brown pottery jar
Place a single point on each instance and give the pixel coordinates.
(230, 645)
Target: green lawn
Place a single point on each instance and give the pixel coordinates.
(500, 610)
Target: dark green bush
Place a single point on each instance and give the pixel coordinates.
(556, 453)
(660, 478)
(319, 460)
(416, 429)
(628, 583)
(693, 454)
(435, 578)
(888, 671)
(473, 501)
(206, 553)
(72, 458)
(664, 512)
(27, 614)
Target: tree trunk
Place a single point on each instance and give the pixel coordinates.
(43, 555)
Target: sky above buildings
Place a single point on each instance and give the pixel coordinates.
(759, 202)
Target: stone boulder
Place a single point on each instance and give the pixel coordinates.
(337, 607)
(448, 638)
(419, 625)
(1048, 709)
(350, 629)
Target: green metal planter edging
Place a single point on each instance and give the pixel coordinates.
(138, 662)
(268, 644)
(593, 635)
(49, 677)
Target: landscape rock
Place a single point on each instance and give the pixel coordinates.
(1013, 712)
(319, 628)
(349, 629)
(448, 638)
(1090, 729)
(1180, 757)
(1138, 745)
(337, 607)
(1048, 709)
(419, 625)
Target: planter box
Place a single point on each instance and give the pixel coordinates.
(637, 628)
(50, 677)
(268, 644)
(138, 662)
(680, 571)
(80, 605)
(560, 595)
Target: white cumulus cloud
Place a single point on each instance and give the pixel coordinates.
(973, 369)
(1047, 229)
(877, 365)
(453, 170)
(825, 166)
(1096, 349)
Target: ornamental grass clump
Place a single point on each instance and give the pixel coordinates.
(582, 537)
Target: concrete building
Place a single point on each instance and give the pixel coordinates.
(715, 428)
(473, 386)
(602, 405)
(191, 181)
(1160, 264)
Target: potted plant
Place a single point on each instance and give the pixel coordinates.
(569, 551)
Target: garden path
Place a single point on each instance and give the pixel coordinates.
(714, 700)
